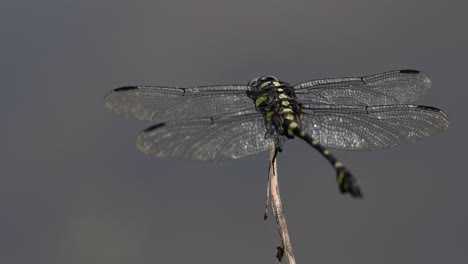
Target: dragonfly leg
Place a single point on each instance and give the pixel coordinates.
(347, 183)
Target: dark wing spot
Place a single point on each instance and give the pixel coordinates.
(429, 108)
(125, 88)
(154, 127)
(410, 71)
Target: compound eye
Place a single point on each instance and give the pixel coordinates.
(254, 82)
(274, 78)
(259, 80)
(270, 79)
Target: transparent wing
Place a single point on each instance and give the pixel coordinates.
(389, 88)
(167, 103)
(230, 137)
(373, 127)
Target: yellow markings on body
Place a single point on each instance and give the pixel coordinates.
(277, 84)
(314, 142)
(302, 134)
(346, 186)
(288, 117)
(287, 111)
(265, 84)
(260, 100)
(338, 165)
(291, 127)
(340, 177)
(280, 90)
(326, 152)
(284, 103)
(341, 181)
(269, 115)
(283, 96)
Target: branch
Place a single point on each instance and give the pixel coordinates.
(285, 250)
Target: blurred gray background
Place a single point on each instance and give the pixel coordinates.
(74, 188)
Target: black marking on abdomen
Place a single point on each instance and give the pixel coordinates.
(287, 124)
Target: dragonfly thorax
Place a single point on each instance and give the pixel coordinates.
(277, 102)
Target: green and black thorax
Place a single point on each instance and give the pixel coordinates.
(277, 102)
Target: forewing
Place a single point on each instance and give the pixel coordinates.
(223, 138)
(389, 88)
(373, 127)
(168, 103)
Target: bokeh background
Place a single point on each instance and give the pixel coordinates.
(74, 188)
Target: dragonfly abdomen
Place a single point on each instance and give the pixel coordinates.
(346, 181)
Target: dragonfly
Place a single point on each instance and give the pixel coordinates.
(223, 122)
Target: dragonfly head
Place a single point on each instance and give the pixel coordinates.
(260, 81)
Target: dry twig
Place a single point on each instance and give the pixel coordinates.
(285, 250)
